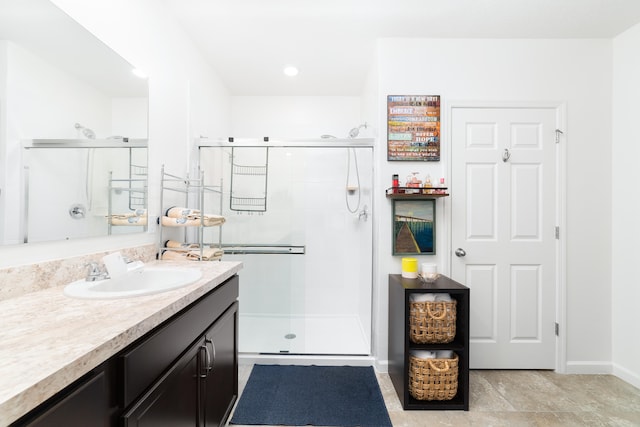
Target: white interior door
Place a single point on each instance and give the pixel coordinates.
(503, 232)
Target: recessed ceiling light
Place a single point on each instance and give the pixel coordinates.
(290, 70)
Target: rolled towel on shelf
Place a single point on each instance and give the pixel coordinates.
(128, 220)
(420, 297)
(174, 256)
(208, 254)
(177, 212)
(180, 246)
(206, 221)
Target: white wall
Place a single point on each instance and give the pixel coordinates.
(294, 116)
(626, 205)
(147, 36)
(577, 72)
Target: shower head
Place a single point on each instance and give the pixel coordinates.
(353, 133)
(88, 133)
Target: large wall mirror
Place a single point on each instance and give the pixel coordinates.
(73, 130)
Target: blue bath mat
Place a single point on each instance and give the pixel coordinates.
(312, 395)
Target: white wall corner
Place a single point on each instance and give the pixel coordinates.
(625, 374)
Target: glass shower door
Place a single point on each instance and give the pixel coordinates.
(306, 282)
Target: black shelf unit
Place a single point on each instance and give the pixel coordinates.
(400, 344)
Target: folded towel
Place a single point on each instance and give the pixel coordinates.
(208, 254)
(443, 297)
(177, 212)
(444, 354)
(423, 354)
(206, 220)
(132, 214)
(420, 297)
(181, 246)
(130, 220)
(174, 256)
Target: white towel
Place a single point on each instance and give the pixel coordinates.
(423, 354)
(443, 297)
(444, 354)
(420, 297)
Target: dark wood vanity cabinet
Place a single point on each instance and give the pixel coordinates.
(198, 389)
(87, 402)
(184, 372)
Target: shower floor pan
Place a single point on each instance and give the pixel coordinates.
(315, 335)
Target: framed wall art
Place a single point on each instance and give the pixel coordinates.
(413, 127)
(414, 225)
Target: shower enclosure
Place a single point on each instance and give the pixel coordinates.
(298, 217)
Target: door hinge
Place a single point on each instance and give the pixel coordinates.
(558, 133)
(557, 233)
(557, 329)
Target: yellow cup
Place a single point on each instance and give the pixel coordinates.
(409, 268)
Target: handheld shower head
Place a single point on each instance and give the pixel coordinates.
(353, 133)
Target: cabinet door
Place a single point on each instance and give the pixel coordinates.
(220, 386)
(173, 400)
(86, 405)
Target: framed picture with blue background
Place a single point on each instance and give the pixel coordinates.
(414, 224)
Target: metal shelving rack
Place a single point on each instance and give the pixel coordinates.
(194, 190)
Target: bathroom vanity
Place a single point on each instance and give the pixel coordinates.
(162, 360)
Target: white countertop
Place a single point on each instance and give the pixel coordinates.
(48, 340)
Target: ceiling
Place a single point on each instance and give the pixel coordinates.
(332, 42)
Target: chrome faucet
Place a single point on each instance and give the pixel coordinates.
(96, 272)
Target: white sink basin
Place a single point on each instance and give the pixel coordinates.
(146, 281)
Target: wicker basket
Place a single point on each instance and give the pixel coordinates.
(432, 322)
(433, 379)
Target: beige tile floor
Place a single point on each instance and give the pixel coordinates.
(523, 398)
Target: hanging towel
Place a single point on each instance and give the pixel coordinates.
(206, 221)
(208, 254)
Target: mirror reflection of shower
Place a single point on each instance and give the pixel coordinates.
(85, 131)
(353, 133)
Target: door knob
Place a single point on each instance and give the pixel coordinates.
(460, 252)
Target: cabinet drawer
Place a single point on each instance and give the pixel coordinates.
(148, 359)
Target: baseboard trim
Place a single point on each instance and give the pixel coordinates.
(626, 375)
(586, 367)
